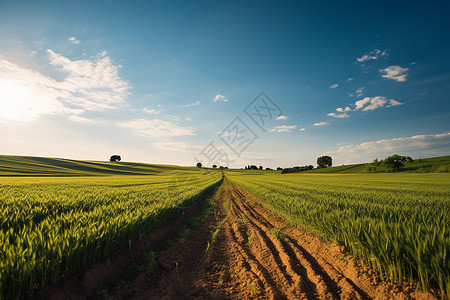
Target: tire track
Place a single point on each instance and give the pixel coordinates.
(282, 263)
(308, 274)
(304, 279)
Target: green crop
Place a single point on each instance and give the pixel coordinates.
(53, 227)
(398, 223)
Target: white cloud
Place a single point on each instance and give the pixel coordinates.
(97, 81)
(193, 104)
(366, 57)
(74, 40)
(373, 55)
(220, 98)
(334, 85)
(79, 119)
(359, 92)
(26, 94)
(418, 146)
(349, 79)
(360, 103)
(375, 102)
(340, 109)
(283, 128)
(282, 118)
(33, 53)
(366, 104)
(396, 73)
(320, 124)
(157, 128)
(340, 116)
(393, 102)
(177, 146)
(150, 111)
(302, 129)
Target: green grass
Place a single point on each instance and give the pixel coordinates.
(399, 223)
(42, 166)
(426, 165)
(53, 227)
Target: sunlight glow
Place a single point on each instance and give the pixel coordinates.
(22, 103)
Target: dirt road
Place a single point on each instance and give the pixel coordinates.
(252, 254)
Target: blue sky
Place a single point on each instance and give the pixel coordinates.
(160, 81)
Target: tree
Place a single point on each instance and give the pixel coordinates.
(214, 166)
(260, 167)
(324, 161)
(279, 169)
(115, 158)
(199, 165)
(394, 162)
(391, 163)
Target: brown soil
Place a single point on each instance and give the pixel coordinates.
(255, 255)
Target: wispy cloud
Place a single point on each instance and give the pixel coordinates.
(157, 128)
(96, 81)
(85, 85)
(283, 128)
(74, 40)
(334, 85)
(282, 118)
(372, 103)
(177, 146)
(302, 129)
(150, 110)
(349, 79)
(220, 98)
(373, 55)
(193, 104)
(320, 124)
(359, 92)
(80, 119)
(416, 146)
(396, 73)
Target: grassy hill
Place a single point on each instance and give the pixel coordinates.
(43, 166)
(425, 165)
(434, 164)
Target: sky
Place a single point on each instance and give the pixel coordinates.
(231, 83)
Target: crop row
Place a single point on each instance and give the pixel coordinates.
(53, 227)
(398, 223)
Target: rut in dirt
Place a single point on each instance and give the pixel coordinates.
(255, 259)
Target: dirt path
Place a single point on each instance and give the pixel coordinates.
(253, 255)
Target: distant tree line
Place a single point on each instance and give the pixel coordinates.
(322, 162)
(199, 165)
(389, 164)
(253, 167)
(297, 169)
